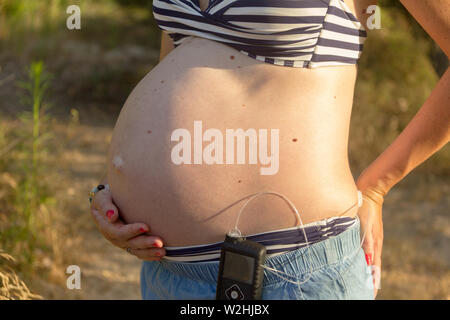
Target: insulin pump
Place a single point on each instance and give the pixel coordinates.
(241, 268)
(241, 271)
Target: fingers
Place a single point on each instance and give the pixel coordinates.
(97, 218)
(148, 254)
(103, 203)
(119, 233)
(133, 236)
(378, 246)
(126, 232)
(147, 248)
(371, 229)
(145, 242)
(106, 215)
(368, 247)
(376, 275)
(376, 272)
(367, 232)
(373, 259)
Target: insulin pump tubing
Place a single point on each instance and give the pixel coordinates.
(235, 232)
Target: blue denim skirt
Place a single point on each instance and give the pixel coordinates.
(331, 269)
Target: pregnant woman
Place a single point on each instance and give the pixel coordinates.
(253, 96)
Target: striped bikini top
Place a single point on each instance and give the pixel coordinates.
(291, 33)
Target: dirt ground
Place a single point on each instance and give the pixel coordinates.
(416, 255)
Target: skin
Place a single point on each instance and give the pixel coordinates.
(314, 170)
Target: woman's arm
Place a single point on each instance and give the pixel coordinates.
(427, 133)
(166, 45)
(429, 130)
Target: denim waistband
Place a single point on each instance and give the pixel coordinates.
(298, 262)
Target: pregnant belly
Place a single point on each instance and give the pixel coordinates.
(177, 159)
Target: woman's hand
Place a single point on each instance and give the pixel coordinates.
(134, 236)
(370, 215)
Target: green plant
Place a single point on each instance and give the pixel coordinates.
(35, 88)
(29, 196)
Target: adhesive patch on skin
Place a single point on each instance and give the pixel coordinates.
(118, 163)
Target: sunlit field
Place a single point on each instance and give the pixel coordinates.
(61, 91)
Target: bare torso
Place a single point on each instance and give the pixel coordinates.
(211, 82)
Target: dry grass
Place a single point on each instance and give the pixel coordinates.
(416, 251)
(11, 286)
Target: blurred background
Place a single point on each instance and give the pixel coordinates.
(61, 91)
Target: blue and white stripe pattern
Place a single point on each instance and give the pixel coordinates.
(291, 33)
(276, 242)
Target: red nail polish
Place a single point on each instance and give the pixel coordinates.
(158, 254)
(109, 214)
(142, 230)
(369, 259)
(157, 244)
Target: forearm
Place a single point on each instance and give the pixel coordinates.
(166, 45)
(427, 133)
